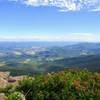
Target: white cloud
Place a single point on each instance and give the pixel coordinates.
(82, 37)
(96, 9)
(64, 5)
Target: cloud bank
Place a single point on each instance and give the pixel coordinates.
(74, 37)
(64, 5)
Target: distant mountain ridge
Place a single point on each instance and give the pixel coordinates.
(30, 58)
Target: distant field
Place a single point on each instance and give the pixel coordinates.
(36, 58)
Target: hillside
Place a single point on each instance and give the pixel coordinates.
(43, 57)
(63, 85)
(33, 67)
(87, 62)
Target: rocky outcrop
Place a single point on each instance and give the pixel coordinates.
(2, 96)
(4, 76)
(3, 83)
(6, 79)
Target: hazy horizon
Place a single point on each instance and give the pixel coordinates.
(75, 37)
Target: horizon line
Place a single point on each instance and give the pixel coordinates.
(51, 41)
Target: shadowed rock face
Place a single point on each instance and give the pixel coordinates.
(2, 96)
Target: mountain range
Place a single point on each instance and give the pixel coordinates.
(42, 57)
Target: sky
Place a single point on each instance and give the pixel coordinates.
(50, 20)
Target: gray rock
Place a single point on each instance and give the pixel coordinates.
(2, 96)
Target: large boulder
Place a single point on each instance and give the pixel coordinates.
(3, 83)
(2, 96)
(4, 75)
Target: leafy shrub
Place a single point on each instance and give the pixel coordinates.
(14, 96)
(7, 90)
(64, 85)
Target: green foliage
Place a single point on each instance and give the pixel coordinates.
(7, 90)
(64, 85)
(14, 96)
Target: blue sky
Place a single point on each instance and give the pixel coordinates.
(50, 20)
